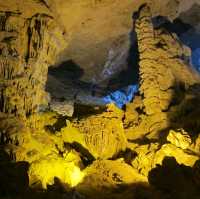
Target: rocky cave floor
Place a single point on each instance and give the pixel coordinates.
(78, 148)
(44, 159)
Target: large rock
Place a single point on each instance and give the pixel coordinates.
(180, 139)
(105, 179)
(103, 133)
(175, 180)
(43, 172)
(150, 155)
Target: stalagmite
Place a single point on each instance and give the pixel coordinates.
(163, 75)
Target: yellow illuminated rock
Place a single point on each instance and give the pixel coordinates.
(45, 170)
(179, 138)
(148, 156)
(104, 176)
(103, 133)
(70, 135)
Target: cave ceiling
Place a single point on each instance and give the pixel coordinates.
(95, 28)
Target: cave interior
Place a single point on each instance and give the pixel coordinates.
(99, 99)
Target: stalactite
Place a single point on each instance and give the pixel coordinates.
(25, 67)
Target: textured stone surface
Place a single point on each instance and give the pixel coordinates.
(163, 73)
(107, 176)
(179, 138)
(40, 144)
(29, 42)
(64, 108)
(103, 133)
(110, 147)
(45, 171)
(151, 155)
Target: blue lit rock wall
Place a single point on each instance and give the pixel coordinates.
(192, 39)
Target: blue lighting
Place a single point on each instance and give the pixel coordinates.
(196, 58)
(122, 96)
(192, 40)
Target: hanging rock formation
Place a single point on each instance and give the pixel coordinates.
(29, 43)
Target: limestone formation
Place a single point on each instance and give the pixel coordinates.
(65, 108)
(164, 75)
(100, 152)
(103, 133)
(40, 143)
(149, 155)
(29, 43)
(107, 176)
(45, 171)
(88, 35)
(180, 139)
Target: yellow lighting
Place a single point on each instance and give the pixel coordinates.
(46, 170)
(76, 176)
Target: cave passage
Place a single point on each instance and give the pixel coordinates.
(115, 84)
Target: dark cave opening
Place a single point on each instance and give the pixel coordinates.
(130, 76)
(119, 87)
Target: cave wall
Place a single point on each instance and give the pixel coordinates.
(29, 43)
